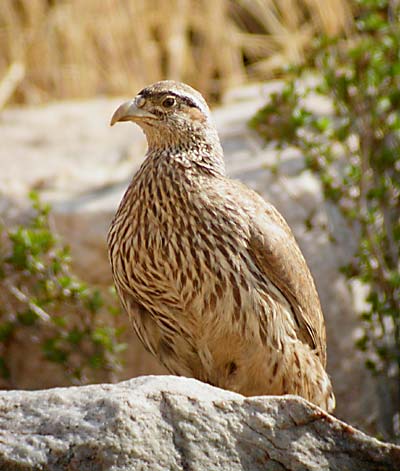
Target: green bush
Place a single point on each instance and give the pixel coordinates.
(42, 302)
(355, 152)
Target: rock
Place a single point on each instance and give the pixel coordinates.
(170, 423)
(82, 167)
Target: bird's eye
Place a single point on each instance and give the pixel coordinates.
(168, 102)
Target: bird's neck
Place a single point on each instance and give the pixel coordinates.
(196, 151)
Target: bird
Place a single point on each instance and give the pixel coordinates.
(209, 272)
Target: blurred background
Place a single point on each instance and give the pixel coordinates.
(80, 49)
(305, 95)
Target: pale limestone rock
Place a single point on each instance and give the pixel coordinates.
(170, 423)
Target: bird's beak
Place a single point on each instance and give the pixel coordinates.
(129, 111)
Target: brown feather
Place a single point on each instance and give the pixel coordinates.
(275, 249)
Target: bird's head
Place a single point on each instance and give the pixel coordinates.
(173, 116)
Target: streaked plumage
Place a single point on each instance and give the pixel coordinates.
(209, 272)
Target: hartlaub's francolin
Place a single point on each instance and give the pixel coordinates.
(210, 273)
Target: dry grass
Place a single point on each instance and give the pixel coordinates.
(81, 48)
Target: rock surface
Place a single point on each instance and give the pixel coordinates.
(170, 423)
(82, 167)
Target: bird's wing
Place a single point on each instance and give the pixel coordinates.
(142, 321)
(277, 255)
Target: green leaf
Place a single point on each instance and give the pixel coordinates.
(104, 337)
(120, 347)
(75, 336)
(394, 279)
(53, 351)
(27, 317)
(323, 124)
(362, 343)
(371, 365)
(96, 361)
(4, 370)
(59, 321)
(6, 330)
(95, 301)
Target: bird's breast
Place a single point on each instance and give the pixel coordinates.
(189, 255)
(176, 247)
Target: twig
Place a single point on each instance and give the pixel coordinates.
(23, 298)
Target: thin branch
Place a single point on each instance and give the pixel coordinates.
(18, 294)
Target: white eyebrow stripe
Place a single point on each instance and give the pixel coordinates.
(188, 96)
(199, 104)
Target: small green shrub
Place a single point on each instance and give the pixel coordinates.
(355, 152)
(42, 302)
